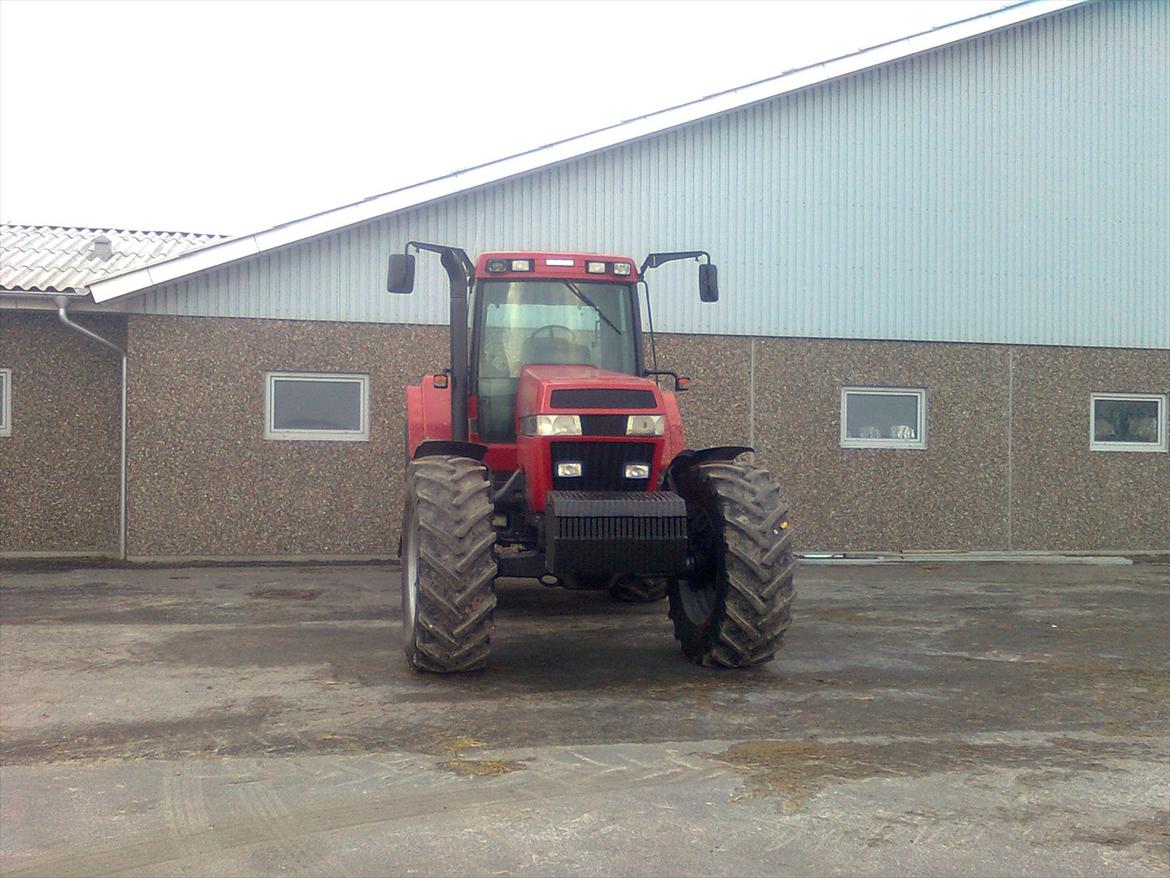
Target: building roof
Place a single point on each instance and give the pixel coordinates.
(138, 279)
(56, 260)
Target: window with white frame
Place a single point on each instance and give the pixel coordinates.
(5, 402)
(883, 417)
(1127, 422)
(317, 406)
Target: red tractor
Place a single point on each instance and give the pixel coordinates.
(549, 450)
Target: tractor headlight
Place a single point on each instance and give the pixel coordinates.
(637, 471)
(645, 425)
(551, 425)
(570, 469)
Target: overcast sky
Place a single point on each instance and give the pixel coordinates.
(235, 116)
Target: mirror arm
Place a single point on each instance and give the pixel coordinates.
(650, 322)
(653, 260)
(679, 387)
(461, 273)
(457, 253)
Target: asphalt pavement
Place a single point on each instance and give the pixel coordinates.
(925, 719)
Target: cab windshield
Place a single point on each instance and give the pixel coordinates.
(546, 321)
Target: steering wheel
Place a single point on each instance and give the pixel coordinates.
(552, 327)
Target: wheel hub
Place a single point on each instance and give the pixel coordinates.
(410, 577)
(697, 589)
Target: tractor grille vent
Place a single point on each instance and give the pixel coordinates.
(602, 398)
(613, 532)
(603, 425)
(603, 465)
(622, 528)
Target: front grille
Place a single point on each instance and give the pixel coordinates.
(649, 515)
(618, 528)
(603, 425)
(601, 532)
(602, 398)
(602, 465)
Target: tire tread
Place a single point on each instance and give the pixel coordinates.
(456, 565)
(757, 588)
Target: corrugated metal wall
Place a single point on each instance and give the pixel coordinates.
(1014, 188)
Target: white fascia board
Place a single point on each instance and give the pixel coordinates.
(120, 285)
(137, 280)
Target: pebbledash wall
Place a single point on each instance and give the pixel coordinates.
(1007, 463)
(203, 479)
(59, 467)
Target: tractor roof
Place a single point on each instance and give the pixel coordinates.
(598, 267)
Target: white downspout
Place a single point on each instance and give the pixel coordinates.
(62, 304)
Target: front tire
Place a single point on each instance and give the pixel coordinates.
(732, 612)
(448, 565)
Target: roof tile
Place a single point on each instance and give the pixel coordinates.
(62, 259)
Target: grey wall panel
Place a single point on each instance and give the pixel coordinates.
(1013, 188)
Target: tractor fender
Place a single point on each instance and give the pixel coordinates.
(676, 442)
(428, 414)
(688, 458)
(450, 448)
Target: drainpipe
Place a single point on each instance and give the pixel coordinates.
(62, 304)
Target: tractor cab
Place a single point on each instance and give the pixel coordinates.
(547, 309)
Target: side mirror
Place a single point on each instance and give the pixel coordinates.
(400, 277)
(708, 283)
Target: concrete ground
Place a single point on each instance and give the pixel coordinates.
(946, 719)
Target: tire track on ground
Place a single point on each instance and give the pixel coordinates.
(268, 823)
(185, 812)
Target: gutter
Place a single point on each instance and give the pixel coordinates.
(62, 303)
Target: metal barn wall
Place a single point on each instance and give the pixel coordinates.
(1013, 188)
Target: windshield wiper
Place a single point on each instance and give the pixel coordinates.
(575, 290)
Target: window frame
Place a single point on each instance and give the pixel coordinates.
(6, 404)
(1159, 445)
(918, 444)
(303, 435)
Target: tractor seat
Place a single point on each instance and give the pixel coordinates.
(554, 350)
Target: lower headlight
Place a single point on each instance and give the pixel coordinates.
(645, 425)
(637, 470)
(569, 469)
(551, 425)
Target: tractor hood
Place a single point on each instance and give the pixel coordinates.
(553, 389)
